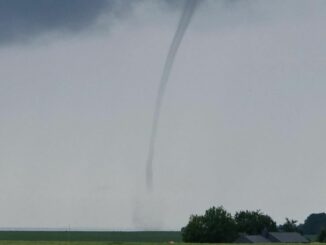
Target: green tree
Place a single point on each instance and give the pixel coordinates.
(220, 226)
(216, 225)
(322, 236)
(194, 231)
(290, 225)
(254, 222)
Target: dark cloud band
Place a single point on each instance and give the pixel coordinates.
(20, 19)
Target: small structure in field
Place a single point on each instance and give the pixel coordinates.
(273, 237)
(286, 237)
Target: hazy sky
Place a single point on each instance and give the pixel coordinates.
(243, 122)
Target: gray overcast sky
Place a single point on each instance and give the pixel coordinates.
(243, 122)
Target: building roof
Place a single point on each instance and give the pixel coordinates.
(252, 239)
(273, 237)
(286, 237)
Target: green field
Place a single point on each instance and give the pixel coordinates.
(106, 243)
(96, 236)
(78, 243)
(91, 238)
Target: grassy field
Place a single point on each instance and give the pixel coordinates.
(79, 243)
(96, 236)
(76, 243)
(90, 238)
(105, 243)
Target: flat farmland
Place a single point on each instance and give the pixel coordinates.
(95, 238)
(112, 243)
(81, 243)
(77, 243)
(90, 236)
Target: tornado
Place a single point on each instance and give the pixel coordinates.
(188, 10)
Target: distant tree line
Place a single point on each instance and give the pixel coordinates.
(217, 225)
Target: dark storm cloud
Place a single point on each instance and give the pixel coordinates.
(21, 20)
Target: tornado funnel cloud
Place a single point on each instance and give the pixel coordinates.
(189, 8)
